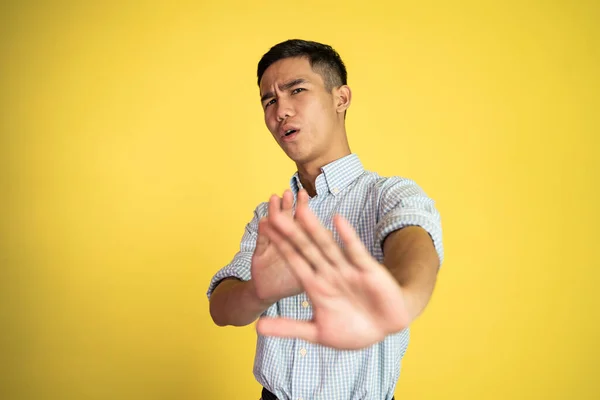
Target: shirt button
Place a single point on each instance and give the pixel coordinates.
(335, 190)
(302, 352)
(305, 304)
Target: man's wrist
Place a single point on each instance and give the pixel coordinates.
(252, 296)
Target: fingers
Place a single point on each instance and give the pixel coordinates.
(355, 250)
(274, 205)
(320, 237)
(287, 328)
(284, 203)
(299, 265)
(287, 203)
(307, 238)
(302, 198)
(306, 244)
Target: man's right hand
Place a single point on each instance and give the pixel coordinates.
(272, 278)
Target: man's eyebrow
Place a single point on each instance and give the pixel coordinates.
(285, 86)
(293, 83)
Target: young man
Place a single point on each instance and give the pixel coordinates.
(337, 268)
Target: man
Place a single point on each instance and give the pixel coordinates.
(337, 268)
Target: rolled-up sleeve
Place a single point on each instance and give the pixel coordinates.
(239, 267)
(401, 203)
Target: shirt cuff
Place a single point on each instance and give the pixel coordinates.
(420, 218)
(238, 269)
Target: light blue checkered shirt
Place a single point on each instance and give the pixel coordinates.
(294, 369)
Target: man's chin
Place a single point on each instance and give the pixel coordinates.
(298, 157)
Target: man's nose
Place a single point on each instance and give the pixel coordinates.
(284, 109)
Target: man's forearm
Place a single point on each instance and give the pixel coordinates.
(234, 302)
(411, 258)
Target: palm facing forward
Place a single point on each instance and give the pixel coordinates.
(356, 301)
(272, 278)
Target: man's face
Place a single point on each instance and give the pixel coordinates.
(299, 111)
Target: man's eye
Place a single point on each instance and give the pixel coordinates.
(269, 103)
(297, 90)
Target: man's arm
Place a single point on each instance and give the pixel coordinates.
(410, 256)
(234, 302)
(358, 300)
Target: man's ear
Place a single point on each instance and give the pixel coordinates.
(343, 98)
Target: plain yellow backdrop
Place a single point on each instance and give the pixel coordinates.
(133, 152)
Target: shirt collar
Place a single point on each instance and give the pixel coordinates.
(336, 175)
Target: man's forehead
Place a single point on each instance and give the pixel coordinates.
(288, 69)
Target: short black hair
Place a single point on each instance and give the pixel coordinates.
(322, 58)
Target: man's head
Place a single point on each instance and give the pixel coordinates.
(322, 58)
(305, 96)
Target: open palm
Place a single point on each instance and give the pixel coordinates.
(272, 278)
(356, 301)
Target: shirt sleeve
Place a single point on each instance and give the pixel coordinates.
(239, 267)
(401, 203)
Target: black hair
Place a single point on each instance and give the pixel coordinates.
(322, 58)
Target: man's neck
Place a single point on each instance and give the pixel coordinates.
(309, 172)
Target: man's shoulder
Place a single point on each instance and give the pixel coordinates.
(382, 182)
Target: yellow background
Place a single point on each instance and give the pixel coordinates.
(133, 152)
